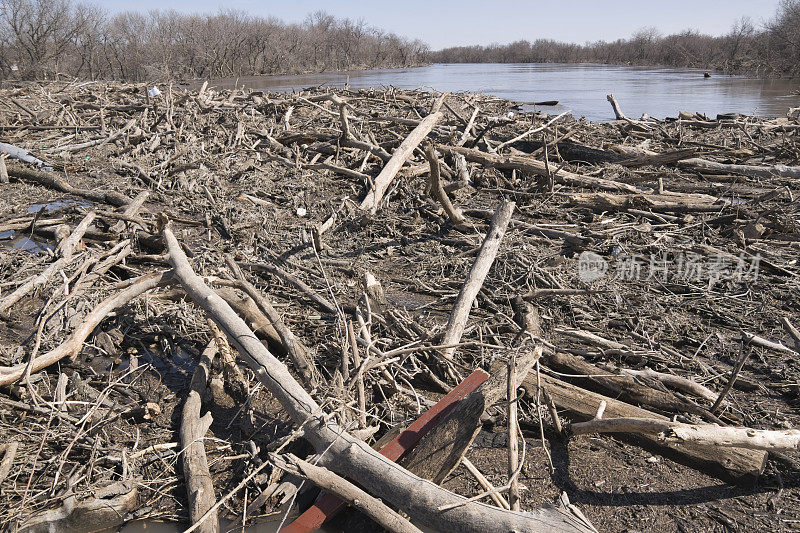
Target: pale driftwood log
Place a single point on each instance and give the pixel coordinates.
(96, 142)
(755, 340)
(791, 330)
(374, 508)
(539, 168)
(198, 481)
(440, 451)
(105, 509)
(668, 201)
(437, 191)
(72, 346)
(3, 169)
(695, 434)
(294, 347)
(400, 156)
(676, 382)
(246, 308)
(618, 114)
(347, 455)
(130, 211)
(65, 250)
(735, 464)
(756, 171)
(9, 452)
(477, 274)
(513, 443)
(51, 180)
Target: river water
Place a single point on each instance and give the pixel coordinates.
(581, 88)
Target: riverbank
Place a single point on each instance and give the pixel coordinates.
(663, 247)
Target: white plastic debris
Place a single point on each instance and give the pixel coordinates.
(152, 93)
(301, 211)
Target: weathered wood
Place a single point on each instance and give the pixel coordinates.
(400, 156)
(672, 202)
(440, 451)
(539, 168)
(347, 455)
(734, 464)
(54, 181)
(477, 274)
(199, 486)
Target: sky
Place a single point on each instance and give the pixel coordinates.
(443, 23)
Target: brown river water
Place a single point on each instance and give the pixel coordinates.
(581, 88)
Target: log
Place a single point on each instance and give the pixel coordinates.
(72, 346)
(347, 455)
(671, 202)
(437, 191)
(618, 114)
(350, 493)
(400, 156)
(539, 168)
(51, 180)
(625, 387)
(695, 434)
(199, 484)
(9, 452)
(477, 274)
(756, 171)
(731, 464)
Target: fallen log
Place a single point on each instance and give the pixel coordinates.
(694, 434)
(734, 464)
(477, 274)
(539, 168)
(671, 202)
(403, 152)
(51, 180)
(347, 455)
(199, 486)
(105, 509)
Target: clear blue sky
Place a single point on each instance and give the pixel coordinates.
(443, 23)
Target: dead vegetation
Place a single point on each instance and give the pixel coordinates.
(369, 258)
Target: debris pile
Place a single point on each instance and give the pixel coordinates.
(433, 307)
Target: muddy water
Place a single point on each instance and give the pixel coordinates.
(582, 88)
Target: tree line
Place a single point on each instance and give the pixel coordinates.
(43, 39)
(771, 50)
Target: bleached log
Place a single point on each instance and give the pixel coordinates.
(474, 282)
(400, 156)
(696, 434)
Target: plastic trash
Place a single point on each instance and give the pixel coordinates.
(152, 93)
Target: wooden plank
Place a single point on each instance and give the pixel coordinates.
(328, 506)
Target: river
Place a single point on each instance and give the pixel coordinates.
(581, 88)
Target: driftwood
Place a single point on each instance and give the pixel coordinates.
(437, 191)
(72, 346)
(106, 508)
(625, 387)
(51, 180)
(199, 486)
(350, 493)
(480, 268)
(539, 168)
(671, 202)
(9, 452)
(347, 455)
(65, 249)
(400, 156)
(695, 434)
(736, 464)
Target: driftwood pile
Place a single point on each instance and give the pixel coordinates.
(212, 302)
